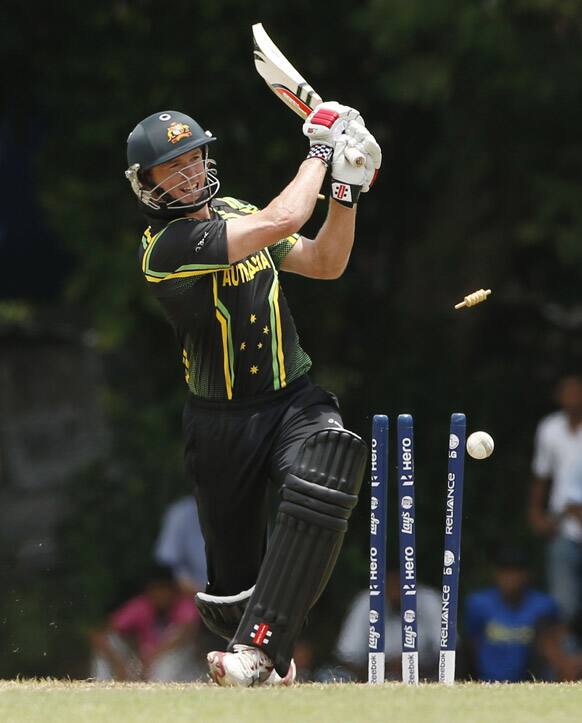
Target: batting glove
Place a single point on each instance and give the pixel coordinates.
(325, 126)
(347, 180)
(360, 137)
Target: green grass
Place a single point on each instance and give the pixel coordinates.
(51, 701)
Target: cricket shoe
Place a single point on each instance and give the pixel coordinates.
(246, 667)
(288, 680)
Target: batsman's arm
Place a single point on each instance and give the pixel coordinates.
(284, 215)
(327, 255)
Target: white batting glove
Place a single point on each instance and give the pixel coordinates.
(347, 180)
(325, 126)
(359, 137)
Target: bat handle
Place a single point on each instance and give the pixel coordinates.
(355, 157)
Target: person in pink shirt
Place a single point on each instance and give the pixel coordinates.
(151, 636)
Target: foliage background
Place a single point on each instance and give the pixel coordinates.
(478, 107)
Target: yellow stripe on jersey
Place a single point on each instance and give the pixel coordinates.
(184, 271)
(239, 205)
(280, 355)
(183, 274)
(227, 353)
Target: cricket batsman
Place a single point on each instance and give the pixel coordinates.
(252, 416)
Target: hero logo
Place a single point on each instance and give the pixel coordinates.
(374, 572)
(341, 191)
(409, 616)
(374, 617)
(409, 573)
(374, 503)
(375, 481)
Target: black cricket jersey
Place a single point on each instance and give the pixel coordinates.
(236, 333)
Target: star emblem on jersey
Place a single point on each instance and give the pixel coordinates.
(243, 346)
(253, 318)
(254, 369)
(178, 131)
(260, 345)
(265, 330)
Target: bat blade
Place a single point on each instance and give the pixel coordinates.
(287, 83)
(281, 77)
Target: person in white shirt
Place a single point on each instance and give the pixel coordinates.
(180, 545)
(557, 453)
(352, 644)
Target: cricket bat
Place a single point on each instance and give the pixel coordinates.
(287, 83)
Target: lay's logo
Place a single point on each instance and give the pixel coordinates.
(178, 131)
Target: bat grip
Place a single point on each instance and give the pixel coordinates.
(355, 157)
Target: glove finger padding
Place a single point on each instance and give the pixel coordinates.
(325, 125)
(348, 181)
(328, 121)
(360, 138)
(373, 162)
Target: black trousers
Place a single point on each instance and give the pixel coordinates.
(232, 451)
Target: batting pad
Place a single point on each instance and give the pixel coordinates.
(318, 496)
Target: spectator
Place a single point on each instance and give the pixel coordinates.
(180, 545)
(352, 645)
(150, 637)
(558, 445)
(511, 629)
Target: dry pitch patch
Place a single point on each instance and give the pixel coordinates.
(51, 701)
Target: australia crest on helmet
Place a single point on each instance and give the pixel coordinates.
(178, 131)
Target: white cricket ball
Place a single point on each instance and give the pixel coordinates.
(480, 445)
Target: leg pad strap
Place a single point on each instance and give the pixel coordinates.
(222, 614)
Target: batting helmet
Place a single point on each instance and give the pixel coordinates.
(157, 139)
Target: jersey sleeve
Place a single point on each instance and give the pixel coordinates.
(542, 465)
(281, 248)
(186, 248)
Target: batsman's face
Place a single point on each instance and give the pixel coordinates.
(182, 178)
